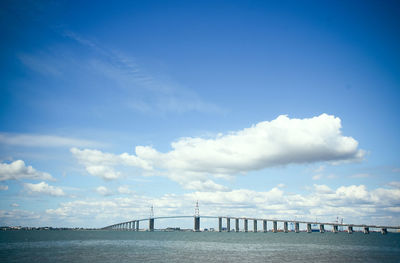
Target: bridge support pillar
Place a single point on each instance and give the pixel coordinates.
(366, 230)
(196, 224)
(309, 228)
(151, 224)
(335, 228)
(285, 227)
(255, 225)
(384, 231)
(265, 226)
(137, 225)
(219, 224)
(237, 224)
(275, 226)
(246, 225)
(321, 228)
(228, 224)
(350, 229)
(297, 227)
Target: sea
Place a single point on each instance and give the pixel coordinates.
(128, 246)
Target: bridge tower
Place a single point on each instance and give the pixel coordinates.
(151, 219)
(197, 217)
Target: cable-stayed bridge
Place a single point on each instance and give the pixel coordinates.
(134, 225)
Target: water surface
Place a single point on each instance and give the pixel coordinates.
(124, 246)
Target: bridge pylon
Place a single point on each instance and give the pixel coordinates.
(197, 218)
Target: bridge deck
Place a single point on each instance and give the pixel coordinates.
(261, 219)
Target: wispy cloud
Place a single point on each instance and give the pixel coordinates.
(362, 175)
(41, 140)
(138, 89)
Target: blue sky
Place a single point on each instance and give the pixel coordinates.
(285, 109)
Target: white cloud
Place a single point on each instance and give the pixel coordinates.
(103, 191)
(317, 177)
(40, 140)
(192, 162)
(322, 189)
(17, 170)
(102, 164)
(3, 187)
(14, 205)
(125, 190)
(205, 186)
(320, 169)
(355, 203)
(44, 188)
(395, 184)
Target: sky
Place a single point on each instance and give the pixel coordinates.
(269, 109)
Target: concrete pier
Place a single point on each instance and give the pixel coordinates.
(246, 225)
(297, 227)
(321, 228)
(275, 226)
(366, 230)
(137, 225)
(228, 224)
(265, 226)
(255, 225)
(219, 224)
(350, 229)
(384, 231)
(309, 228)
(285, 227)
(335, 228)
(237, 224)
(197, 224)
(151, 224)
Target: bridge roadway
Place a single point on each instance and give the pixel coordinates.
(134, 224)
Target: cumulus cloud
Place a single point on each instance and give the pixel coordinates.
(102, 164)
(355, 203)
(194, 162)
(41, 140)
(317, 177)
(3, 187)
(395, 184)
(323, 189)
(205, 186)
(43, 188)
(18, 170)
(103, 191)
(125, 190)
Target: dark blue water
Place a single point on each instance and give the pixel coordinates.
(124, 246)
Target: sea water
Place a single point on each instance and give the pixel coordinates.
(128, 246)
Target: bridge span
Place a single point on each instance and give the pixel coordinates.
(133, 225)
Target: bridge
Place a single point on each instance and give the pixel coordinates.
(133, 225)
